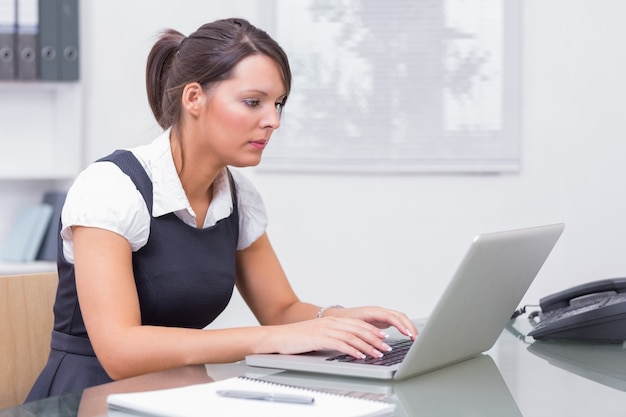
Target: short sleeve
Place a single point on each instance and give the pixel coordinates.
(252, 213)
(103, 196)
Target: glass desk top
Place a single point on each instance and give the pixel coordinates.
(514, 378)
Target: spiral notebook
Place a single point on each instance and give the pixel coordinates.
(202, 400)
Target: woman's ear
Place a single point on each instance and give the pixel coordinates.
(193, 98)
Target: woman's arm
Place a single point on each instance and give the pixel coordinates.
(263, 284)
(265, 288)
(110, 308)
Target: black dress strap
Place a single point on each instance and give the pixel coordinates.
(129, 165)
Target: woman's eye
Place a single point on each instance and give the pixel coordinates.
(252, 102)
(279, 108)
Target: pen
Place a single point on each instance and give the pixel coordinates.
(267, 396)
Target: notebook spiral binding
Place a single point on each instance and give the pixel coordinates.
(339, 393)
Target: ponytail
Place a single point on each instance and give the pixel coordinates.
(157, 74)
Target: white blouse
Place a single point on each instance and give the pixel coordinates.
(103, 196)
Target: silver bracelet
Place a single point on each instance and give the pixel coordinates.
(321, 312)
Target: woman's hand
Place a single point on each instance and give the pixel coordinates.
(380, 317)
(351, 336)
(289, 326)
(354, 331)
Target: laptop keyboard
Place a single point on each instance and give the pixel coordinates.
(400, 348)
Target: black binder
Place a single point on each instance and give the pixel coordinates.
(8, 28)
(69, 40)
(27, 38)
(49, 40)
(48, 249)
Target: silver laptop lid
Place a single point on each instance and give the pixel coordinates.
(467, 320)
(484, 292)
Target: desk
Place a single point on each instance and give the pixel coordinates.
(19, 268)
(514, 378)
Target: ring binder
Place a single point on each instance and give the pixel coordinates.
(8, 27)
(69, 51)
(48, 249)
(49, 27)
(39, 39)
(27, 38)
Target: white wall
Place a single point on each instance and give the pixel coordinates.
(396, 240)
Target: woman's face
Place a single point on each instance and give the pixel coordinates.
(241, 113)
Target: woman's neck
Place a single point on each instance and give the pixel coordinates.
(196, 177)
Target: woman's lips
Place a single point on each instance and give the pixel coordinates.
(259, 144)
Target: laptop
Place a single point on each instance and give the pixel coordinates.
(487, 287)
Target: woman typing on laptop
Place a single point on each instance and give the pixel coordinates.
(154, 239)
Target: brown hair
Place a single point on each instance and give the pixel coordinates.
(207, 56)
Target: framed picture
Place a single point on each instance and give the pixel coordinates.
(413, 86)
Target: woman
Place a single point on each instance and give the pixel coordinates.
(153, 239)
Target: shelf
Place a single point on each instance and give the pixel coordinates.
(19, 268)
(41, 130)
(19, 85)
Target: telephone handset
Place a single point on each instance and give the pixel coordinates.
(593, 311)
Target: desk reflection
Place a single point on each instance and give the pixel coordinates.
(472, 387)
(602, 363)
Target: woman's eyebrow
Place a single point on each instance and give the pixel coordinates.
(262, 92)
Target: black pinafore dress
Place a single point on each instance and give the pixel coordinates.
(185, 278)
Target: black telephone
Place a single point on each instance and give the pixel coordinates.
(595, 311)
